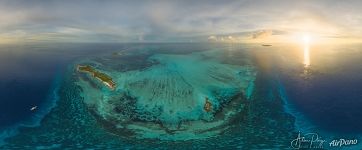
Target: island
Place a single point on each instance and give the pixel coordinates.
(104, 78)
(207, 105)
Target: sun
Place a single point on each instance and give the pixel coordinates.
(306, 38)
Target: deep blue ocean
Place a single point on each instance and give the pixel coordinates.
(30, 75)
(320, 92)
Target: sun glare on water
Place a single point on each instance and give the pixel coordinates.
(306, 40)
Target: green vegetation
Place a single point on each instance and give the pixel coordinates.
(107, 80)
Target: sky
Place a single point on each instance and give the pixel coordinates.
(177, 21)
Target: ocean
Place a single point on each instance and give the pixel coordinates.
(262, 97)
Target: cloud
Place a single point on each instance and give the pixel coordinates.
(262, 34)
(164, 21)
(212, 38)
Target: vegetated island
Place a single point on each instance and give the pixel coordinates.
(207, 105)
(104, 78)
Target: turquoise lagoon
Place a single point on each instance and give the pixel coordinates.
(166, 99)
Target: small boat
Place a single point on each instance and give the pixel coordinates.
(33, 108)
(266, 45)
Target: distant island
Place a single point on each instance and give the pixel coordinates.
(104, 78)
(266, 45)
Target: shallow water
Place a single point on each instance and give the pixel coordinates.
(290, 92)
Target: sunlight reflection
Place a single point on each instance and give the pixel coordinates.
(306, 60)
